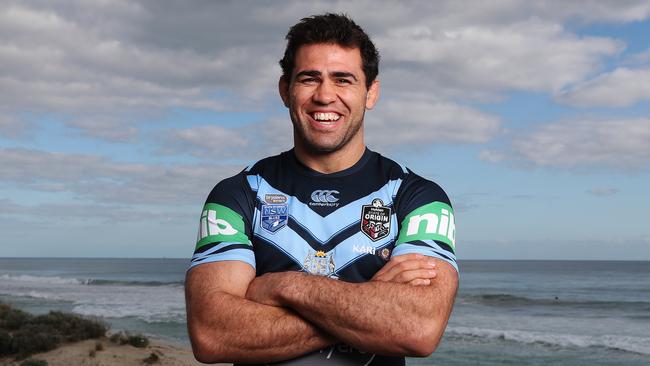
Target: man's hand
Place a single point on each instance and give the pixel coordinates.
(263, 289)
(341, 309)
(414, 269)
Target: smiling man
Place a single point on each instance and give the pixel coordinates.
(328, 253)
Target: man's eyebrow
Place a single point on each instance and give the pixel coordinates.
(343, 74)
(312, 73)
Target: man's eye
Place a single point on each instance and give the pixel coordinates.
(308, 80)
(343, 81)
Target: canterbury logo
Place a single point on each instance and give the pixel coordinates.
(324, 196)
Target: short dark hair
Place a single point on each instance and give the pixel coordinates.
(330, 28)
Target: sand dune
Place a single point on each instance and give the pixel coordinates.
(84, 353)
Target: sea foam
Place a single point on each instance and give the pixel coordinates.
(640, 345)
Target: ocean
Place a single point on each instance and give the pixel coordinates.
(506, 312)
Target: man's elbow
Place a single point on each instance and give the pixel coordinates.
(423, 343)
(423, 348)
(206, 348)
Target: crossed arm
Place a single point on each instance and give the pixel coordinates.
(235, 317)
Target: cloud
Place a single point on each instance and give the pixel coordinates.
(104, 128)
(603, 192)
(100, 180)
(147, 55)
(478, 61)
(14, 128)
(613, 143)
(595, 10)
(405, 122)
(248, 142)
(637, 59)
(620, 88)
(492, 156)
(95, 65)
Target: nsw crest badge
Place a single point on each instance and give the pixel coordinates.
(274, 217)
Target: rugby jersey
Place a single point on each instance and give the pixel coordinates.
(280, 215)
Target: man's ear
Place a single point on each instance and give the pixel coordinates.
(283, 88)
(373, 94)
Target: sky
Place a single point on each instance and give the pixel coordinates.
(118, 117)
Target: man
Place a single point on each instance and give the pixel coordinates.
(328, 253)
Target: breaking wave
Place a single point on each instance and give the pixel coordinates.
(505, 300)
(54, 280)
(639, 345)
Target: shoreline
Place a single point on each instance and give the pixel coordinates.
(87, 353)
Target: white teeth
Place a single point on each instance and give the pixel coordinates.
(326, 116)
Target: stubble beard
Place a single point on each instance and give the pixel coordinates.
(314, 147)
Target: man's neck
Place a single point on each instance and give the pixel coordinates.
(331, 162)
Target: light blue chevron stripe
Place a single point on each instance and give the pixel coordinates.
(296, 248)
(286, 240)
(324, 228)
(287, 235)
(253, 182)
(344, 254)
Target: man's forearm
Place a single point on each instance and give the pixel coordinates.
(226, 327)
(239, 330)
(380, 317)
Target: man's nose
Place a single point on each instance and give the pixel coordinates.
(325, 93)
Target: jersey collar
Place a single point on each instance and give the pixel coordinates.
(301, 168)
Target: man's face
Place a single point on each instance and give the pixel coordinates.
(327, 97)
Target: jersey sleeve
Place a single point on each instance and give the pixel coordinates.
(225, 224)
(426, 220)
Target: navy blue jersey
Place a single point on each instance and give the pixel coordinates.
(279, 215)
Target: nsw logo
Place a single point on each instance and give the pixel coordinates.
(274, 217)
(324, 197)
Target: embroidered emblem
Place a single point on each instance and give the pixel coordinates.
(275, 199)
(375, 220)
(274, 217)
(385, 254)
(320, 263)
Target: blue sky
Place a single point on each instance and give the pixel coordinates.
(117, 118)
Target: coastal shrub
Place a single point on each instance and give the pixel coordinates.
(23, 334)
(99, 346)
(33, 338)
(12, 319)
(34, 362)
(72, 327)
(136, 340)
(5, 343)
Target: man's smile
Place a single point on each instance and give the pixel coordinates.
(325, 117)
(325, 121)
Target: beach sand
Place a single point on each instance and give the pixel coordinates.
(79, 353)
